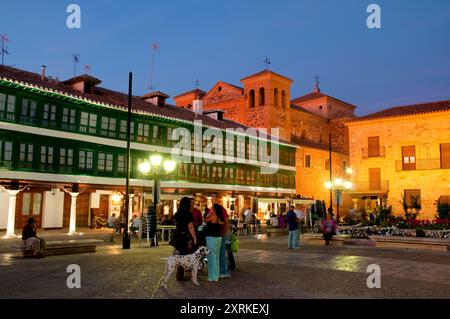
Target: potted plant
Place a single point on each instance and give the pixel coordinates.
(420, 232)
(443, 210)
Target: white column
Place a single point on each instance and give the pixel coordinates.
(11, 212)
(73, 213)
(175, 202)
(130, 208)
(355, 204)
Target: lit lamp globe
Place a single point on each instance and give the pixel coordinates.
(116, 198)
(349, 170)
(347, 185)
(338, 182)
(144, 167)
(156, 160)
(328, 185)
(169, 166)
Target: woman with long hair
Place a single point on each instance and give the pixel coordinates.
(185, 239)
(214, 220)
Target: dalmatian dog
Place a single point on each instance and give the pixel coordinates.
(188, 262)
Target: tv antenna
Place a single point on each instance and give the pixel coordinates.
(76, 59)
(154, 47)
(4, 51)
(87, 68)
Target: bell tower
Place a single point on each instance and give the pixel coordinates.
(267, 102)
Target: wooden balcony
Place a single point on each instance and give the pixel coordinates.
(368, 152)
(423, 164)
(370, 187)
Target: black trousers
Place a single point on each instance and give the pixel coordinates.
(327, 237)
(187, 248)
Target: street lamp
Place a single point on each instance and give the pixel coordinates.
(338, 186)
(154, 168)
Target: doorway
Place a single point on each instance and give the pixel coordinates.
(28, 204)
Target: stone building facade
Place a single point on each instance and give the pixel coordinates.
(400, 154)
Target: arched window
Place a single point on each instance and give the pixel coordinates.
(251, 98)
(261, 96)
(283, 98)
(275, 97)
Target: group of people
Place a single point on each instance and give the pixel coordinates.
(293, 219)
(211, 229)
(117, 223)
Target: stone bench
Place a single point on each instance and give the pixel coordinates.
(389, 241)
(63, 247)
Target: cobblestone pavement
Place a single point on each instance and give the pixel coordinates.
(265, 269)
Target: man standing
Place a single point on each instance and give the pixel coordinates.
(248, 215)
(152, 225)
(293, 229)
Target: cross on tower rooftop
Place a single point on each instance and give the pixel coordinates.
(267, 62)
(316, 84)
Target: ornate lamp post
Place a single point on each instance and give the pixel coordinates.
(156, 168)
(338, 186)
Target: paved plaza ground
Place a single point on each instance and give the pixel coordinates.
(265, 269)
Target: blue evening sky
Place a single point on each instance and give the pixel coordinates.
(407, 61)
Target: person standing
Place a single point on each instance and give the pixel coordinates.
(186, 238)
(328, 228)
(196, 214)
(281, 221)
(198, 222)
(214, 219)
(292, 221)
(225, 248)
(152, 225)
(248, 215)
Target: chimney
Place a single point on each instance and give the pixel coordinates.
(215, 114)
(43, 72)
(157, 98)
(83, 83)
(197, 106)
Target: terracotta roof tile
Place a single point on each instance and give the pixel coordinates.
(155, 93)
(316, 95)
(236, 86)
(198, 91)
(406, 110)
(263, 73)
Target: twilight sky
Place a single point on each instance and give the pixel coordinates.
(405, 62)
